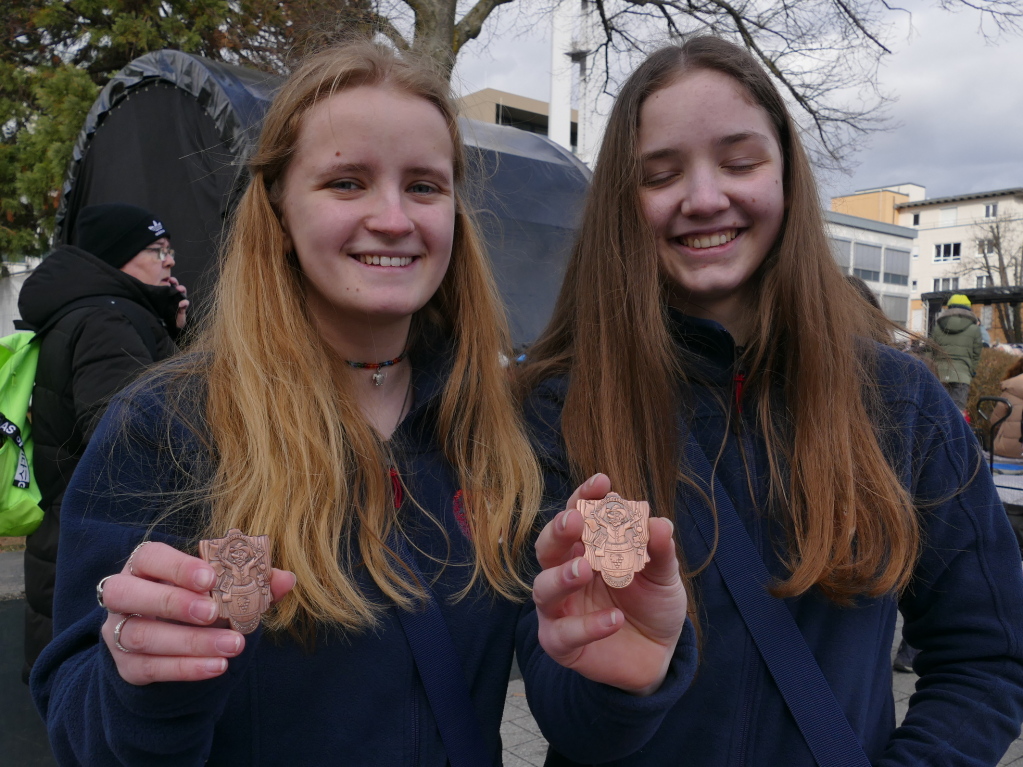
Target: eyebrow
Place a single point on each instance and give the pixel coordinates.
(724, 141)
(352, 167)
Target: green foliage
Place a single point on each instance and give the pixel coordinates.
(56, 56)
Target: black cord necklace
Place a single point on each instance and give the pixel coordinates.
(379, 375)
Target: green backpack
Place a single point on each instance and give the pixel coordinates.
(19, 492)
(20, 513)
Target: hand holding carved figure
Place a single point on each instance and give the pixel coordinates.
(173, 632)
(615, 536)
(624, 635)
(242, 565)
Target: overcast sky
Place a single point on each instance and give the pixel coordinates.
(959, 108)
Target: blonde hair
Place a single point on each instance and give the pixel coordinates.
(851, 524)
(292, 455)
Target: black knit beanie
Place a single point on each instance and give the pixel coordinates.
(116, 232)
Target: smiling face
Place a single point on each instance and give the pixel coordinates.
(368, 206)
(712, 191)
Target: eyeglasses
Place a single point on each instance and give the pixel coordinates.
(162, 253)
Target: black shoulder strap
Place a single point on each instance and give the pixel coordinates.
(788, 657)
(139, 317)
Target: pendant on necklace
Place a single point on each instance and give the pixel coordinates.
(378, 377)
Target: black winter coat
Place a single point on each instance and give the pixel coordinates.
(86, 358)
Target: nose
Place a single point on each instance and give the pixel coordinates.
(389, 215)
(168, 263)
(704, 194)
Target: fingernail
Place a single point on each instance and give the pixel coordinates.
(203, 579)
(575, 568)
(216, 665)
(591, 480)
(229, 644)
(203, 610)
(609, 620)
(563, 522)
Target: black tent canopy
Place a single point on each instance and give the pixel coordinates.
(171, 133)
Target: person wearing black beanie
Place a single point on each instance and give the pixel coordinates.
(120, 311)
(117, 232)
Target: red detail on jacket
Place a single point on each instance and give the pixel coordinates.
(458, 507)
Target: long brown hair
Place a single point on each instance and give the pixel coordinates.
(293, 456)
(852, 526)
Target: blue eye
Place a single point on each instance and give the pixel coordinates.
(422, 188)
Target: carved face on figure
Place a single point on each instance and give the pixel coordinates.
(616, 517)
(239, 553)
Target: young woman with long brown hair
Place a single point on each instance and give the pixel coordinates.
(348, 401)
(703, 311)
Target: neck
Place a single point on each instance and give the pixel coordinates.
(732, 314)
(370, 340)
(384, 405)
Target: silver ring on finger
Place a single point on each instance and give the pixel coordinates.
(117, 632)
(99, 590)
(132, 556)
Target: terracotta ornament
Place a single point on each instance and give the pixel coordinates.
(242, 588)
(616, 535)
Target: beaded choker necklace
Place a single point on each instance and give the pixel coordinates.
(379, 375)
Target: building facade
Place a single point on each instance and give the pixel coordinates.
(501, 108)
(880, 254)
(963, 242)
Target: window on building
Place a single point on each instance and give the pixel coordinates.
(947, 251)
(991, 210)
(867, 261)
(985, 247)
(840, 249)
(946, 283)
(948, 216)
(896, 266)
(896, 308)
(984, 281)
(916, 219)
(913, 286)
(937, 284)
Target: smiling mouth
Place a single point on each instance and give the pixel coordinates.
(372, 260)
(708, 240)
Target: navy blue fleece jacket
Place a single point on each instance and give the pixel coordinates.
(356, 699)
(963, 609)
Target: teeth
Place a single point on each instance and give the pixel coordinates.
(385, 260)
(709, 241)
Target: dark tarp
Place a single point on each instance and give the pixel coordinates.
(171, 133)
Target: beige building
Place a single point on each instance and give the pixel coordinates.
(954, 235)
(493, 106)
(878, 204)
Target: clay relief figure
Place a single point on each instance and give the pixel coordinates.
(242, 564)
(616, 536)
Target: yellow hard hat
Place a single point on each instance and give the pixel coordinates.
(959, 300)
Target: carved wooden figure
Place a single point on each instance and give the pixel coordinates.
(616, 535)
(242, 588)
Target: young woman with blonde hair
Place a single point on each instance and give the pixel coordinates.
(347, 400)
(707, 354)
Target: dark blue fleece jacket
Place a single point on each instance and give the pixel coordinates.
(964, 608)
(356, 699)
